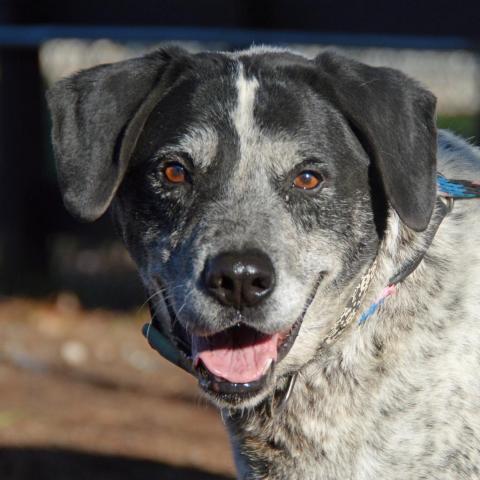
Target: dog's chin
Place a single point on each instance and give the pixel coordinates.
(237, 367)
(240, 396)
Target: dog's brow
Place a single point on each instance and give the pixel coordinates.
(200, 143)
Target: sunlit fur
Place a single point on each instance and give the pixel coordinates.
(396, 398)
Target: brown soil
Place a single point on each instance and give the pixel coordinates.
(84, 397)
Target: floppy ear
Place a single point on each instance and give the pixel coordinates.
(97, 116)
(394, 119)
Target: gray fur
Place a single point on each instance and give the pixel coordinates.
(396, 398)
(399, 397)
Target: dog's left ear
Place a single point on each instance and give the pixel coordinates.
(394, 119)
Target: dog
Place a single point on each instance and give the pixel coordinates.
(257, 191)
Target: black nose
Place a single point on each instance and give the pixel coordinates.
(240, 279)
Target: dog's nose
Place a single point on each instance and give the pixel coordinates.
(240, 279)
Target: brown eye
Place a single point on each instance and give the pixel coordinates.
(175, 173)
(307, 180)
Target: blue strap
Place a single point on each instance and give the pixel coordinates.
(370, 311)
(457, 188)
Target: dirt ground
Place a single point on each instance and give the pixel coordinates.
(82, 396)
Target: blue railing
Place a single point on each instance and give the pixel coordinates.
(30, 36)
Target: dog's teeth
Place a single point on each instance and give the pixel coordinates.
(267, 366)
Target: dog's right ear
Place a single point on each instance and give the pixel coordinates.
(97, 116)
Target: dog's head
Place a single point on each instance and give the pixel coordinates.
(246, 186)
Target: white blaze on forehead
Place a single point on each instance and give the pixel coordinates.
(242, 116)
(243, 113)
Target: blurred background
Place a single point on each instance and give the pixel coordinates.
(82, 395)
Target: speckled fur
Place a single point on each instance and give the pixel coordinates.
(399, 397)
(396, 398)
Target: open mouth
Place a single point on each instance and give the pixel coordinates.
(239, 360)
(236, 363)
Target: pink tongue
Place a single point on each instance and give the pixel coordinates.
(238, 355)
